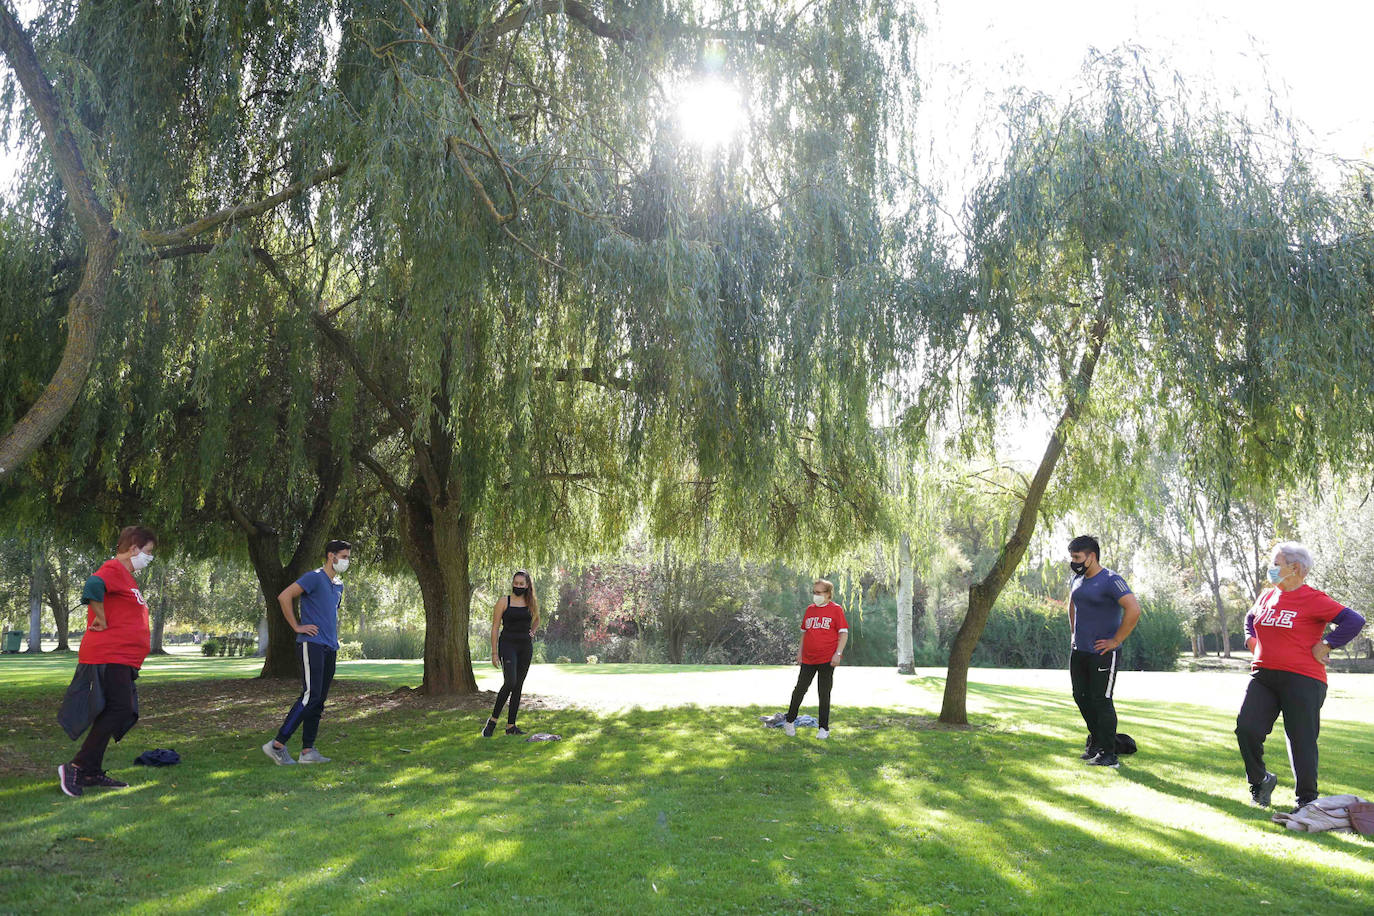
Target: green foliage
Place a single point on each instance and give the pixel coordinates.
(350, 651)
(211, 647)
(1157, 640)
(397, 643)
(1025, 631)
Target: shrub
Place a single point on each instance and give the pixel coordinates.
(393, 644)
(564, 660)
(350, 651)
(1024, 631)
(1158, 639)
(593, 660)
(210, 647)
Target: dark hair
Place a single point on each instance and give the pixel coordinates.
(336, 546)
(531, 601)
(1086, 543)
(135, 536)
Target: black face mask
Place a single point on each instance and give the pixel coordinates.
(1078, 568)
(521, 592)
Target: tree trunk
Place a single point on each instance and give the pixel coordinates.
(1223, 636)
(264, 551)
(86, 308)
(57, 601)
(263, 636)
(36, 601)
(982, 595)
(906, 663)
(159, 613)
(448, 666)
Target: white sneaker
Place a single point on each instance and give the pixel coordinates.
(313, 756)
(822, 733)
(278, 755)
(789, 729)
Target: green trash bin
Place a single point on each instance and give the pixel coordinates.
(14, 640)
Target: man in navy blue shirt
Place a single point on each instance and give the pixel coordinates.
(317, 636)
(1102, 613)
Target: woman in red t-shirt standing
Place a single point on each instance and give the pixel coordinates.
(1285, 629)
(824, 633)
(114, 646)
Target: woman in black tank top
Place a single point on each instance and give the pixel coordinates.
(513, 622)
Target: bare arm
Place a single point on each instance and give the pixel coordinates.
(496, 613)
(839, 648)
(1130, 616)
(98, 616)
(287, 601)
(1071, 619)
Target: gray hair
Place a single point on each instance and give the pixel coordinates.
(1293, 552)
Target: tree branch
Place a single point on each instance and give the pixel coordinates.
(588, 374)
(183, 234)
(86, 308)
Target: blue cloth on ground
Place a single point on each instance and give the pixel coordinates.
(158, 758)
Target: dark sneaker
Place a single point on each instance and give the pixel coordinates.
(1104, 759)
(1090, 753)
(1260, 794)
(489, 729)
(69, 777)
(514, 730)
(101, 780)
(1302, 804)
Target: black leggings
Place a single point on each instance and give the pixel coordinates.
(804, 678)
(516, 655)
(1300, 699)
(118, 716)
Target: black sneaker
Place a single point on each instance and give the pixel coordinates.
(69, 776)
(1302, 804)
(1104, 759)
(514, 730)
(489, 729)
(1260, 794)
(1090, 753)
(101, 780)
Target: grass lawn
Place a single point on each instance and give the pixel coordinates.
(662, 798)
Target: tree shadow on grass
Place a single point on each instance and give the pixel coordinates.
(681, 810)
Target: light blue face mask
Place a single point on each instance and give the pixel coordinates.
(1275, 576)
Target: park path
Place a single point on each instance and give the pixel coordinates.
(620, 687)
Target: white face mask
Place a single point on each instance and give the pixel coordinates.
(341, 564)
(820, 600)
(140, 560)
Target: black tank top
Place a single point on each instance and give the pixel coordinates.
(515, 621)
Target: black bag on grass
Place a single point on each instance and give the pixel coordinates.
(1125, 744)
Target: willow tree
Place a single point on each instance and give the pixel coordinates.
(557, 299)
(1146, 267)
(172, 125)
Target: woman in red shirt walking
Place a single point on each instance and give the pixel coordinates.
(824, 633)
(1286, 631)
(112, 650)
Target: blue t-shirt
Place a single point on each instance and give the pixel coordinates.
(320, 605)
(1097, 613)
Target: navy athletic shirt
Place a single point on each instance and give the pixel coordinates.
(320, 597)
(1096, 613)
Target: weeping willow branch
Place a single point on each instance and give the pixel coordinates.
(183, 234)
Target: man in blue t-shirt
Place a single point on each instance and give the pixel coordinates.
(1102, 613)
(317, 636)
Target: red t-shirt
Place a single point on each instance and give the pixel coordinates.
(821, 629)
(126, 637)
(1287, 626)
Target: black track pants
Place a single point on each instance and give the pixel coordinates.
(1300, 699)
(1094, 680)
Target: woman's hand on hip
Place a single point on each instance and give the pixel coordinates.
(1321, 652)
